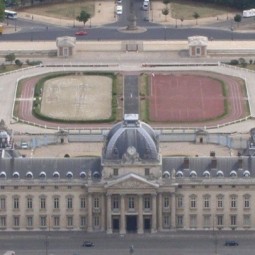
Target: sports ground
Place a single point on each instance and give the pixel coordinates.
(174, 97)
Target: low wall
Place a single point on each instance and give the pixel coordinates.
(49, 48)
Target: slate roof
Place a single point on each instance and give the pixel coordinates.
(63, 166)
(228, 165)
(136, 134)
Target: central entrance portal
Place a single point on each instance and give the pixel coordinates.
(131, 223)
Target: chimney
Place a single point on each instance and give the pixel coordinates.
(240, 163)
(186, 163)
(213, 163)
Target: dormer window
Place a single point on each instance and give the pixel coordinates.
(69, 174)
(83, 174)
(56, 174)
(29, 175)
(15, 175)
(42, 175)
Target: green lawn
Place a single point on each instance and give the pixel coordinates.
(63, 10)
(186, 9)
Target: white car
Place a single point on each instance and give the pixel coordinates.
(119, 9)
(146, 5)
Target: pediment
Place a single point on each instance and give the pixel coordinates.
(131, 181)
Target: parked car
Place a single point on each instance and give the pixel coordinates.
(119, 9)
(88, 244)
(82, 32)
(231, 243)
(145, 6)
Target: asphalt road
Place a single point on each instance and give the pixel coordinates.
(173, 243)
(35, 30)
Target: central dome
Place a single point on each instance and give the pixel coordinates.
(131, 133)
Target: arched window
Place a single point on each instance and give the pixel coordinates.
(219, 174)
(179, 174)
(246, 173)
(15, 175)
(166, 174)
(69, 174)
(3, 174)
(29, 175)
(206, 174)
(83, 174)
(233, 173)
(96, 175)
(193, 173)
(42, 174)
(56, 174)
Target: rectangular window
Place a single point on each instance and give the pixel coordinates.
(43, 203)
(166, 221)
(83, 221)
(16, 221)
(69, 221)
(220, 202)
(220, 220)
(233, 202)
(147, 171)
(56, 203)
(193, 221)
(147, 202)
(30, 221)
(83, 202)
(115, 171)
(179, 221)
(2, 203)
(16, 203)
(43, 221)
(233, 220)
(96, 221)
(179, 202)
(193, 202)
(56, 221)
(2, 221)
(166, 202)
(115, 202)
(247, 220)
(131, 203)
(29, 203)
(206, 202)
(207, 222)
(96, 202)
(69, 203)
(246, 202)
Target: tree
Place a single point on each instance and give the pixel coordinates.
(83, 17)
(237, 18)
(196, 16)
(166, 2)
(165, 12)
(2, 7)
(10, 57)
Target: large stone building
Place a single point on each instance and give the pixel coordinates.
(131, 188)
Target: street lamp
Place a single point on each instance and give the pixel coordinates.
(232, 33)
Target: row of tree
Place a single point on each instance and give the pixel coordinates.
(239, 4)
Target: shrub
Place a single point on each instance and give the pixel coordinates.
(234, 62)
(18, 62)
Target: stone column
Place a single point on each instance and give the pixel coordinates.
(122, 215)
(90, 208)
(173, 211)
(140, 214)
(103, 213)
(160, 212)
(154, 214)
(109, 214)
